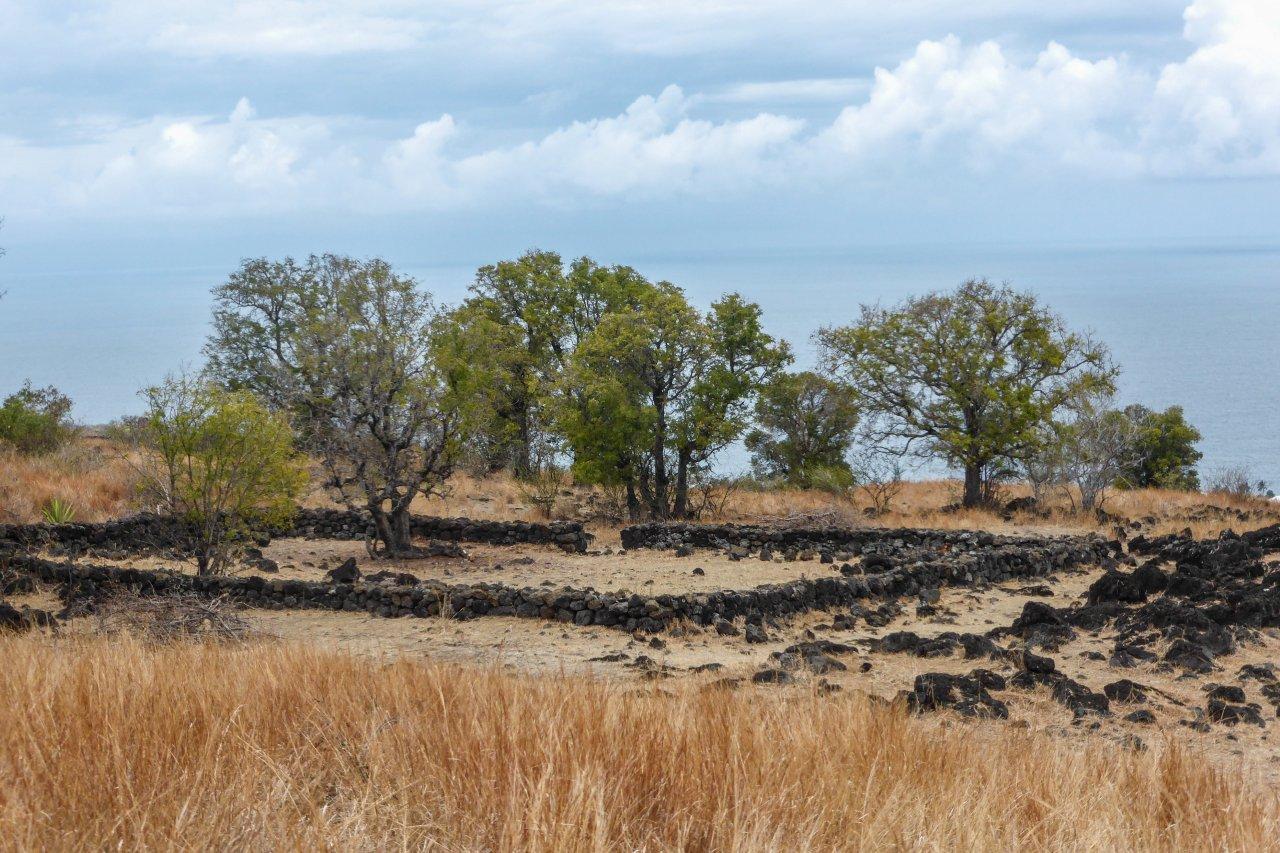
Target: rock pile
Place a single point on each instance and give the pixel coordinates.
(148, 533)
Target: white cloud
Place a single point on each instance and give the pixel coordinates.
(780, 91)
(1219, 111)
(240, 28)
(948, 108)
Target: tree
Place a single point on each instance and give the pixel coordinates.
(1095, 447)
(657, 389)
(1166, 455)
(220, 462)
(380, 385)
(806, 426)
(969, 376)
(36, 421)
(540, 311)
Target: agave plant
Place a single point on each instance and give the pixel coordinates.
(58, 511)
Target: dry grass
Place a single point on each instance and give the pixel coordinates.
(92, 475)
(123, 745)
(96, 481)
(930, 503)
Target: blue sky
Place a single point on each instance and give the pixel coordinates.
(193, 124)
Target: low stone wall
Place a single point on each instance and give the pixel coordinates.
(581, 606)
(153, 532)
(751, 539)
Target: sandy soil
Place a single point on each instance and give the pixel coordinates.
(641, 571)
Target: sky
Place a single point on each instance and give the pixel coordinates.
(206, 120)
(146, 146)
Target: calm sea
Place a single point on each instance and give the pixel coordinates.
(1195, 326)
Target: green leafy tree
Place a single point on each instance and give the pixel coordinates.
(806, 428)
(1166, 455)
(381, 386)
(970, 376)
(541, 310)
(221, 462)
(36, 421)
(657, 389)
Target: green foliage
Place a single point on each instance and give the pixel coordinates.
(35, 421)
(220, 461)
(970, 376)
(1166, 455)
(806, 425)
(535, 311)
(657, 389)
(58, 511)
(383, 388)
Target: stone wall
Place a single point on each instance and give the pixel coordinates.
(141, 533)
(751, 539)
(581, 606)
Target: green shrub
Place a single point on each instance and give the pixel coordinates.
(58, 511)
(36, 421)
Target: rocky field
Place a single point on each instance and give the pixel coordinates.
(1125, 639)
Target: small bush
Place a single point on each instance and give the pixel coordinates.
(35, 421)
(1238, 481)
(58, 511)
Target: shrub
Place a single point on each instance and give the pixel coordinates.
(220, 461)
(1166, 454)
(58, 511)
(36, 421)
(1238, 481)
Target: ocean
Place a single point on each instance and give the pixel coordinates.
(1193, 326)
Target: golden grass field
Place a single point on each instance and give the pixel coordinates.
(101, 484)
(117, 744)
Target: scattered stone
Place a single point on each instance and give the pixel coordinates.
(1126, 692)
(725, 628)
(1229, 714)
(773, 676)
(1142, 717)
(964, 694)
(348, 572)
(1225, 692)
(756, 634)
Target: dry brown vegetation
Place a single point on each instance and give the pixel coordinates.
(95, 479)
(112, 743)
(100, 484)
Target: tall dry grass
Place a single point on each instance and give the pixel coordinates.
(96, 480)
(120, 745)
(100, 484)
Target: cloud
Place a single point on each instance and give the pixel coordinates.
(947, 109)
(322, 28)
(781, 91)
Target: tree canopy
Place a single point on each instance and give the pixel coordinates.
(806, 429)
(378, 382)
(657, 389)
(539, 310)
(1166, 454)
(969, 375)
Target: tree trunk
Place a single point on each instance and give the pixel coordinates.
(392, 529)
(682, 486)
(660, 506)
(522, 464)
(972, 485)
(633, 502)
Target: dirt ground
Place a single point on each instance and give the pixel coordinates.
(702, 654)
